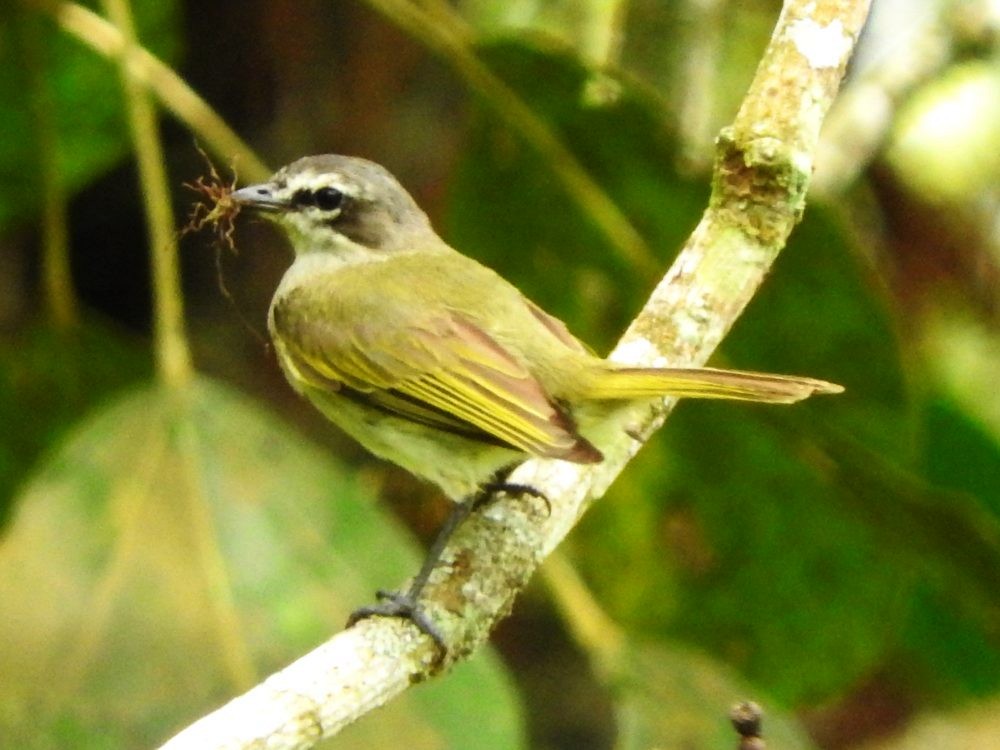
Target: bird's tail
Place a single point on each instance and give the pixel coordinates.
(637, 382)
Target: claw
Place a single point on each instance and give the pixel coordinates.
(519, 490)
(398, 604)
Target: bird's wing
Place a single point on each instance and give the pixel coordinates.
(557, 328)
(445, 372)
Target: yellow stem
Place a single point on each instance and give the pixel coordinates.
(600, 41)
(173, 355)
(57, 283)
(596, 633)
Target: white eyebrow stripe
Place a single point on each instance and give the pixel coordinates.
(312, 182)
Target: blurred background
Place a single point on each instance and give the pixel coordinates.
(165, 546)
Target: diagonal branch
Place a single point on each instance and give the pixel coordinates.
(763, 166)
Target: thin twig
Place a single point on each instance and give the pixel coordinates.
(596, 633)
(746, 718)
(763, 166)
(57, 282)
(698, 71)
(173, 355)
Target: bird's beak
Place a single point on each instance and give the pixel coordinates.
(259, 198)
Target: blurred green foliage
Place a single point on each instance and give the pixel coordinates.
(39, 401)
(177, 548)
(507, 208)
(674, 697)
(43, 69)
(164, 550)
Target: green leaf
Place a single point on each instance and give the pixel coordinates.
(947, 647)
(789, 576)
(41, 67)
(48, 378)
(951, 635)
(960, 454)
(823, 313)
(177, 548)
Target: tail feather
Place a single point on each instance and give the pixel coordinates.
(639, 382)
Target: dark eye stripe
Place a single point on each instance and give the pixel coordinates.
(303, 198)
(325, 198)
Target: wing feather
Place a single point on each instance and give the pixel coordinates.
(447, 373)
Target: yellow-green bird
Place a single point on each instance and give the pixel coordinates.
(428, 358)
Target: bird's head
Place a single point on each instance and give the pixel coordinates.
(345, 205)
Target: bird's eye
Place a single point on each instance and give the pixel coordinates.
(328, 198)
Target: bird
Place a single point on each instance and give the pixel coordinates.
(433, 361)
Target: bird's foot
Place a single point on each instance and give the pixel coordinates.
(490, 489)
(401, 604)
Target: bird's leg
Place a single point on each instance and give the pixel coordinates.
(405, 603)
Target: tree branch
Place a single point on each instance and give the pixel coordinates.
(763, 166)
